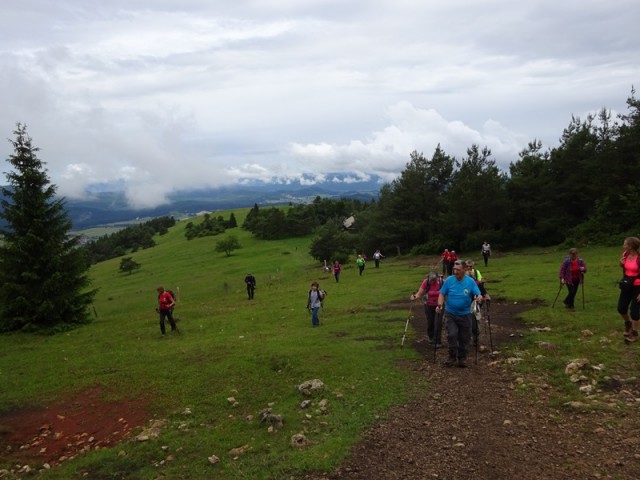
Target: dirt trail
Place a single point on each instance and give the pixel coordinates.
(472, 425)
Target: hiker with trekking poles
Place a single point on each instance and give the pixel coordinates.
(572, 272)
(430, 288)
(455, 298)
(629, 299)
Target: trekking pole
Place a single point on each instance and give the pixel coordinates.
(582, 278)
(476, 335)
(489, 327)
(477, 339)
(406, 326)
(437, 333)
(559, 290)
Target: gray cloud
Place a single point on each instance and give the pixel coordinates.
(167, 95)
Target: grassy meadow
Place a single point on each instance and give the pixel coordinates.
(258, 351)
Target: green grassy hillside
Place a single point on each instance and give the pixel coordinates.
(258, 352)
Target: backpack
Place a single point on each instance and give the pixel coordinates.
(438, 282)
(322, 294)
(173, 295)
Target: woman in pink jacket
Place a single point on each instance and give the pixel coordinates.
(430, 288)
(629, 299)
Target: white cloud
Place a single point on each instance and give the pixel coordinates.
(169, 95)
(386, 152)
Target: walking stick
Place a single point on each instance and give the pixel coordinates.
(437, 334)
(559, 290)
(489, 326)
(582, 278)
(474, 318)
(406, 326)
(475, 360)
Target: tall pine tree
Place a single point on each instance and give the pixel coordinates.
(44, 283)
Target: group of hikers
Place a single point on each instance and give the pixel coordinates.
(317, 295)
(452, 300)
(361, 261)
(449, 257)
(449, 297)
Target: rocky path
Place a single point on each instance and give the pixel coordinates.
(473, 424)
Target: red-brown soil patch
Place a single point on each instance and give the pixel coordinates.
(79, 423)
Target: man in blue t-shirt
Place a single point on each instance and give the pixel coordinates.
(456, 295)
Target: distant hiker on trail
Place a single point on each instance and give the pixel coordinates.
(444, 258)
(337, 268)
(166, 303)
(486, 252)
(453, 258)
(314, 302)
(572, 272)
(629, 299)
(430, 288)
(250, 280)
(360, 262)
(376, 258)
(456, 294)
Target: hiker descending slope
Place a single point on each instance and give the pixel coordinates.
(572, 273)
(166, 302)
(456, 294)
(629, 299)
(430, 288)
(314, 302)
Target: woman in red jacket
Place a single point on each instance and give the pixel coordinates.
(165, 309)
(337, 268)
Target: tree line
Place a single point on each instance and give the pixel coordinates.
(584, 190)
(209, 226)
(299, 220)
(129, 239)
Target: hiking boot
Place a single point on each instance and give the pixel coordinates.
(462, 363)
(450, 362)
(633, 337)
(627, 328)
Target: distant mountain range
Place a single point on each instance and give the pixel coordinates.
(104, 207)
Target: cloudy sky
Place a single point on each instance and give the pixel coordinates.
(163, 95)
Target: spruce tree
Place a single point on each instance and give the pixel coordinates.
(44, 283)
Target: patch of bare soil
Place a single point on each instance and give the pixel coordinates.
(58, 432)
(471, 424)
